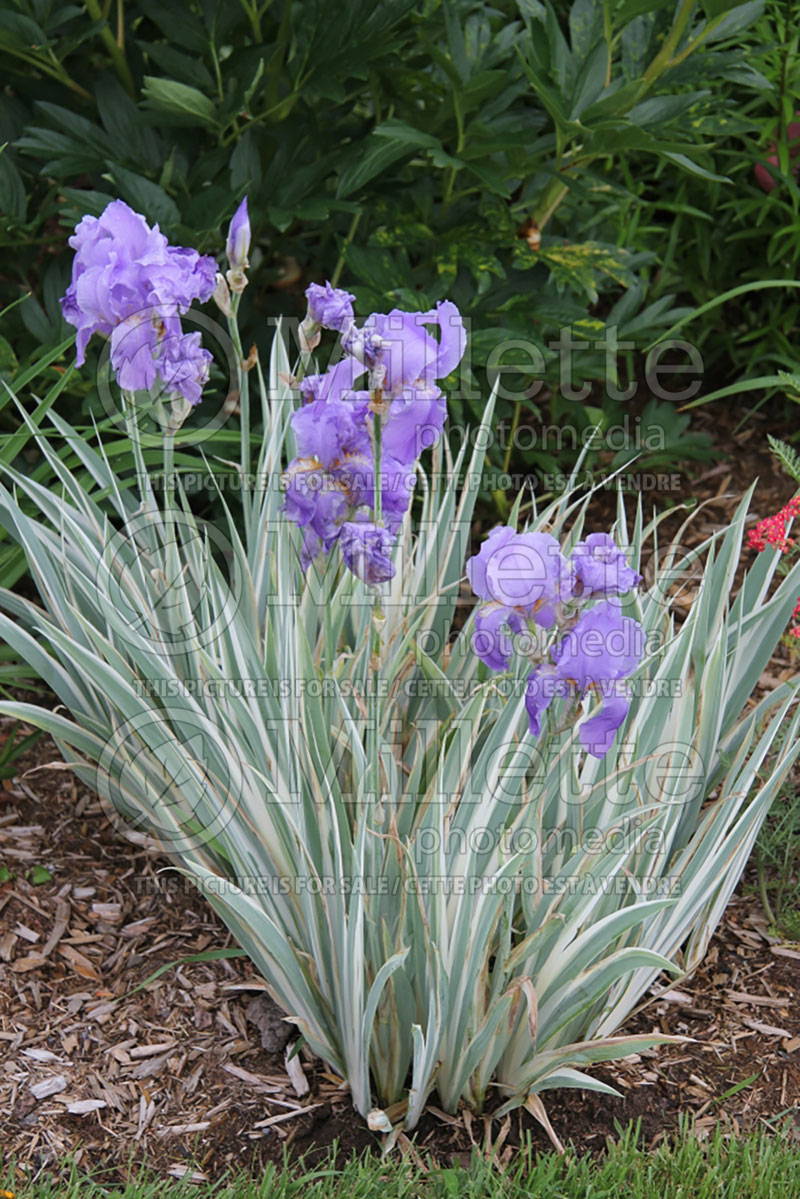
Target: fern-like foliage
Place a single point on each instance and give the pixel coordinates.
(787, 456)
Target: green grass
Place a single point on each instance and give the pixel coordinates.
(755, 1167)
(777, 859)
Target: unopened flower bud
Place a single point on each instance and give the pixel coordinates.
(366, 549)
(178, 411)
(238, 243)
(310, 335)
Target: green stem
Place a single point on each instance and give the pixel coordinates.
(351, 232)
(217, 71)
(170, 536)
(121, 26)
(693, 45)
(451, 172)
(553, 194)
(377, 619)
(243, 384)
(662, 59)
(169, 467)
(253, 17)
(56, 72)
(132, 427)
(169, 505)
(330, 648)
(111, 44)
(377, 452)
(163, 420)
(762, 888)
(514, 427)
(500, 497)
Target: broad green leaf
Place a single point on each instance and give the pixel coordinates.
(146, 197)
(13, 201)
(178, 102)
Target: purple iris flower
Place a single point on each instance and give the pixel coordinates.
(316, 501)
(410, 427)
(397, 485)
(398, 341)
(601, 567)
(366, 549)
(365, 345)
(542, 688)
(526, 571)
(413, 426)
(597, 733)
(329, 306)
(123, 269)
(333, 476)
(331, 429)
(130, 285)
(399, 350)
(134, 349)
(333, 470)
(338, 383)
(186, 276)
(414, 359)
(332, 481)
(603, 645)
(522, 577)
(177, 363)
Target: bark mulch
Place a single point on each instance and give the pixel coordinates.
(192, 1067)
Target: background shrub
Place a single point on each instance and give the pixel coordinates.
(545, 165)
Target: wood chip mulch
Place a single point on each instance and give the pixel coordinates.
(190, 1072)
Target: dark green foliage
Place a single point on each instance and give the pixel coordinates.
(12, 750)
(708, 237)
(404, 149)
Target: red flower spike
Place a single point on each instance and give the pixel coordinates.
(772, 529)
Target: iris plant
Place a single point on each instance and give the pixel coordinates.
(443, 900)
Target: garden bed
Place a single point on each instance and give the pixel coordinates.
(180, 1069)
(177, 1073)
